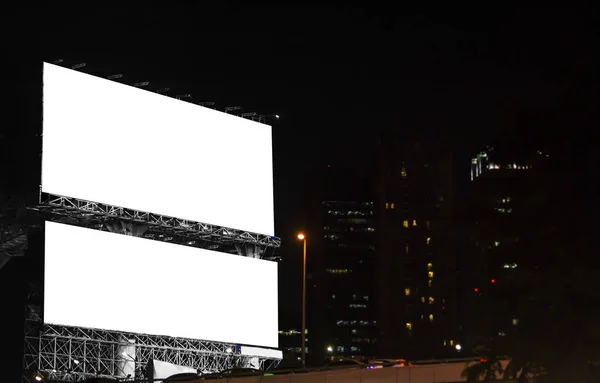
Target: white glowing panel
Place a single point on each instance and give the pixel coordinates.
(115, 144)
(97, 279)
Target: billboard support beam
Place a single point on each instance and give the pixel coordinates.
(74, 353)
(163, 228)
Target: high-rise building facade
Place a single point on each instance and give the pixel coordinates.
(416, 256)
(382, 264)
(507, 197)
(342, 317)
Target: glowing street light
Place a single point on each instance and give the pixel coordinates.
(329, 349)
(458, 347)
(302, 238)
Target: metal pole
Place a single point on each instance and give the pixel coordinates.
(303, 344)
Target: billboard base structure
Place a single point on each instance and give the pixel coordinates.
(73, 353)
(100, 216)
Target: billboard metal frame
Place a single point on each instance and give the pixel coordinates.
(159, 227)
(73, 353)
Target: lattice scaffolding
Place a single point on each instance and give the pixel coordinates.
(96, 215)
(73, 353)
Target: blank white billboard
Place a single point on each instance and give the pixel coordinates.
(120, 145)
(102, 280)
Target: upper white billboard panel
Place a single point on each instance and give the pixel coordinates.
(97, 279)
(116, 144)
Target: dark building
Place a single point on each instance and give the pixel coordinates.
(507, 206)
(381, 263)
(290, 344)
(342, 318)
(416, 279)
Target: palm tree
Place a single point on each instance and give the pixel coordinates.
(488, 367)
(519, 368)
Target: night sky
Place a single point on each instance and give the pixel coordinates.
(336, 75)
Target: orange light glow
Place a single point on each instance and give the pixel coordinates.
(301, 236)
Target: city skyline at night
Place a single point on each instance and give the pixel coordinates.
(442, 167)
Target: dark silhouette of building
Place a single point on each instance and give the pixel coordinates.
(416, 279)
(342, 318)
(382, 265)
(290, 344)
(507, 214)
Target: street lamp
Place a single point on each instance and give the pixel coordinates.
(302, 237)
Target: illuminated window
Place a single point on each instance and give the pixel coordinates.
(338, 271)
(407, 292)
(406, 249)
(392, 205)
(431, 300)
(428, 240)
(431, 317)
(444, 342)
(429, 283)
(387, 205)
(428, 224)
(353, 331)
(430, 274)
(451, 342)
(414, 222)
(405, 223)
(422, 299)
(429, 266)
(409, 326)
(403, 172)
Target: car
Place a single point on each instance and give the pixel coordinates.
(183, 376)
(346, 364)
(233, 372)
(382, 363)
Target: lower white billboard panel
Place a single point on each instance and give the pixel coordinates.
(102, 280)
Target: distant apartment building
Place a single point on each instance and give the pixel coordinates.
(509, 187)
(382, 269)
(416, 280)
(341, 311)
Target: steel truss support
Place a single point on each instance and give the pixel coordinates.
(73, 353)
(160, 227)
